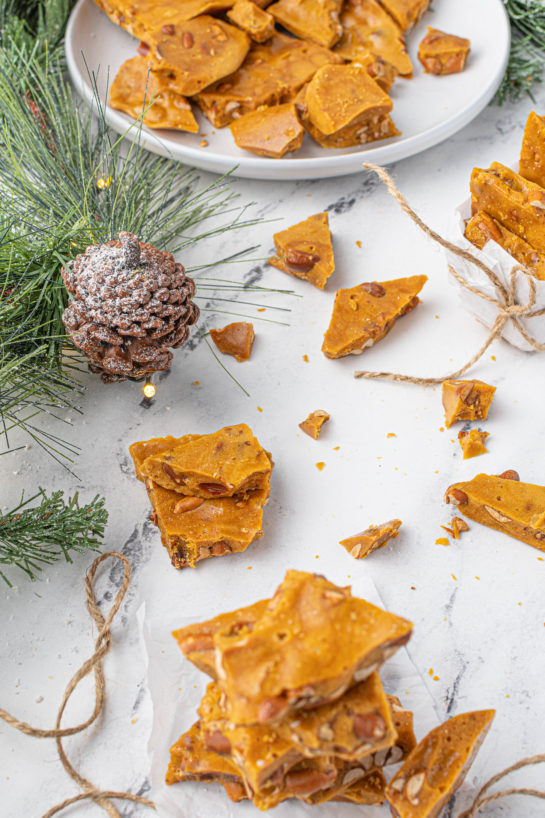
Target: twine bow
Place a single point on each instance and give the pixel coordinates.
(103, 644)
(508, 309)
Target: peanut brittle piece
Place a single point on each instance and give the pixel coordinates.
(367, 27)
(472, 443)
(482, 228)
(532, 153)
(272, 73)
(143, 449)
(197, 641)
(466, 400)
(405, 741)
(356, 725)
(516, 508)
(373, 538)
(384, 73)
(292, 659)
(442, 53)
(437, 766)
(312, 426)
(364, 314)
(257, 23)
(223, 464)
(193, 54)
(140, 17)
(344, 107)
(305, 251)
(190, 760)
(367, 790)
(269, 131)
(514, 201)
(235, 339)
(309, 20)
(406, 13)
(135, 88)
(194, 529)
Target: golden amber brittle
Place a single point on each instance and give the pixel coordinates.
(273, 72)
(312, 426)
(143, 449)
(442, 53)
(367, 27)
(532, 153)
(191, 760)
(194, 529)
(309, 20)
(438, 765)
(140, 17)
(364, 314)
(466, 400)
(503, 503)
(482, 228)
(196, 641)
(362, 544)
(225, 463)
(269, 132)
(473, 443)
(406, 13)
(136, 91)
(515, 202)
(305, 250)
(235, 339)
(189, 56)
(257, 23)
(343, 106)
(292, 659)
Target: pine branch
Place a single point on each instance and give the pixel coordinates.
(67, 181)
(524, 71)
(527, 55)
(33, 537)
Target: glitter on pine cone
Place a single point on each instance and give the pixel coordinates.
(131, 305)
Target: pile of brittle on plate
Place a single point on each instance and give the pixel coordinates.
(207, 491)
(234, 60)
(296, 708)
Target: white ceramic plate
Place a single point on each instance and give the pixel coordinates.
(427, 109)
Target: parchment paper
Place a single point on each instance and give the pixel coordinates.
(499, 260)
(176, 687)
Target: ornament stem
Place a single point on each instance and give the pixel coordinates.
(131, 249)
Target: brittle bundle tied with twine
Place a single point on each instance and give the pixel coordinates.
(504, 299)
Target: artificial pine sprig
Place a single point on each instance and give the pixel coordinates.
(527, 55)
(32, 537)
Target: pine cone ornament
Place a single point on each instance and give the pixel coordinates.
(132, 305)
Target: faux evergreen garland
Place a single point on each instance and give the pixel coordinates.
(527, 57)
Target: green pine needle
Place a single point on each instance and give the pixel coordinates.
(33, 537)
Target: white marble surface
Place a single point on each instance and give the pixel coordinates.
(477, 605)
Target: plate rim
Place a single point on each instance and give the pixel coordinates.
(292, 169)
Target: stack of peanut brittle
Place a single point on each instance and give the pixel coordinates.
(296, 708)
(207, 491)
(328, 75)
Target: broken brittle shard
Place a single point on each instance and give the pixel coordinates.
(364, 314)
(503, 503)
(438, 765)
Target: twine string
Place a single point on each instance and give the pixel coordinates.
(481, 799)
(505, 301)
(93, 664)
